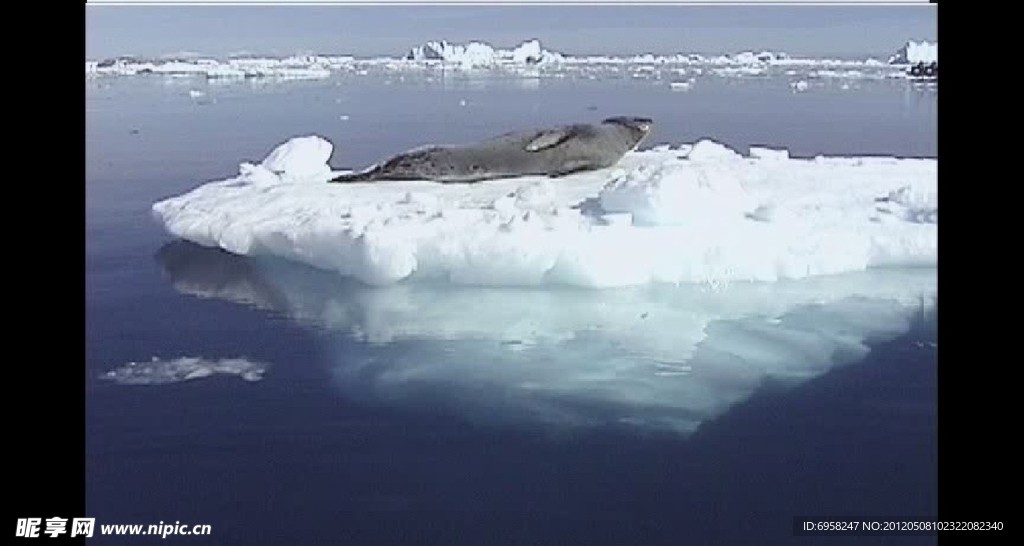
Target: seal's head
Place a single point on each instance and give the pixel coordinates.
(638, 127)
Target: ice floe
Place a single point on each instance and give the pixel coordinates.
(688, 214)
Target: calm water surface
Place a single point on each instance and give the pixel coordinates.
(440, 415)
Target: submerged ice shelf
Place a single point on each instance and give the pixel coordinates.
(657, 356)
(698, 213)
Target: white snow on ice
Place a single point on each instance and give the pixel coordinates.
(701, 213)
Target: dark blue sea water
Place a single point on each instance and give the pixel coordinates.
(436, 415)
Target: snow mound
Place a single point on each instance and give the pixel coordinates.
(701, 213)
(300, 159)
(682, 192)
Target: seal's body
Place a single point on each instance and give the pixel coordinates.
(551, 152)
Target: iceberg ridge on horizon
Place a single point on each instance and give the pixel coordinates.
(471, 55)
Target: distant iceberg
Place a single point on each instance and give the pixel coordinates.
(480, 54)
(916, 52)
(531, 52)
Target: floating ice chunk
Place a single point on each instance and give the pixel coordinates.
(734, 71)
(726, 217)
(682, 86)
(800, 85)
(473, 54)
(161, 372)
(916, 52)
(848, 74)
(528, 53)
(483, 55)
(225, 72)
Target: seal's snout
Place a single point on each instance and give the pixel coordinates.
(644, 124)
(637, 123)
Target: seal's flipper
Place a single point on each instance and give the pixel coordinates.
(548, 139)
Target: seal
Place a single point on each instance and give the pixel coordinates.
(552, 152)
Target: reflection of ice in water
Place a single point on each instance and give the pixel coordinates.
(175, 370)
(662, 356)
(527, 82)
(599, 376)
(919, 96)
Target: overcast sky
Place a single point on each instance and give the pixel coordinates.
(391, 30)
